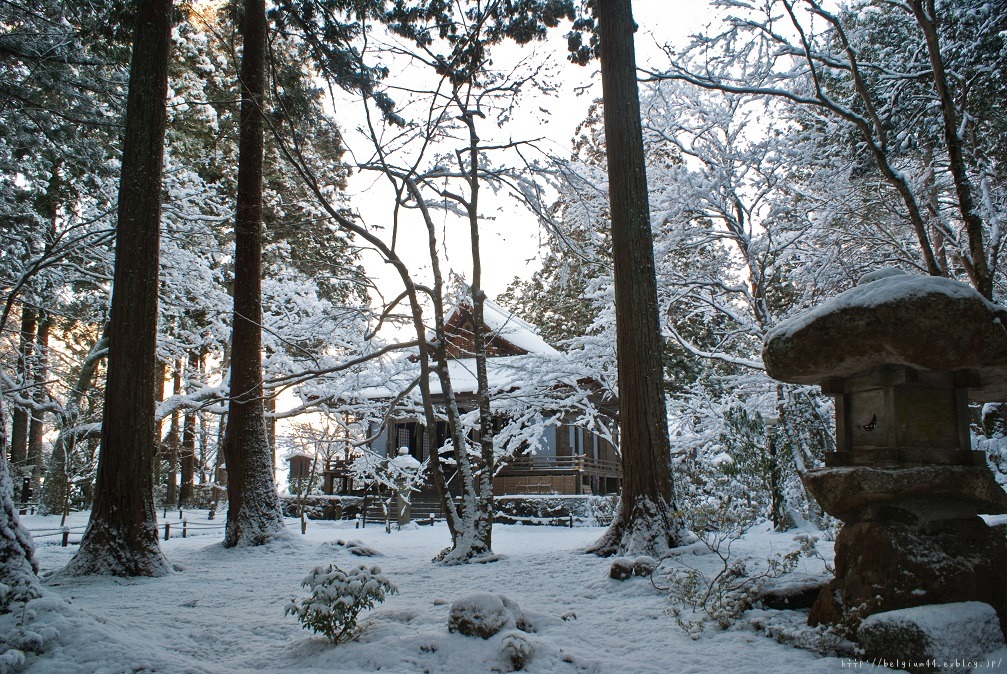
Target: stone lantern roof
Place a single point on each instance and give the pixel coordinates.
(893, 318)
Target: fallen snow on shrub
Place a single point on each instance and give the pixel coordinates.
(337, 599)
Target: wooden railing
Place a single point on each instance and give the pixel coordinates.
(530, 463)
(547, 463)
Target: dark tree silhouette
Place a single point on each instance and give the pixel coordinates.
(647, 522)
(121, 537)
(253, 510)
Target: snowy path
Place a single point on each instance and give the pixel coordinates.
(223, 612)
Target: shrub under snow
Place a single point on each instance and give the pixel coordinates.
(338, 597)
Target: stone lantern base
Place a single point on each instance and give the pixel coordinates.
(883, 565)
(911, 537)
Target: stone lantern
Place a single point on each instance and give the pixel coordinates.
(902, 355)
(404, 468)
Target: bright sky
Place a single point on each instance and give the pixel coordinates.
(511, 240)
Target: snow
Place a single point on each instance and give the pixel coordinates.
(223, 610)
(506, 325)
(873, 292)
(503, 373)
(948, 634)
(481, 615)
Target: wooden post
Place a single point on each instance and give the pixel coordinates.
(185, 527)
(167, 530)
(179, 513)
(304, 524)
(66, 536)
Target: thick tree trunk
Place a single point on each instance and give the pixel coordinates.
(187, 461)
(647, 521)
(21, 415)
(253, 511)
(121, 537)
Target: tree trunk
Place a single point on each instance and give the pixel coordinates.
(982, 276)
(40, 394)
(646, 522)
(483, 526)
(159, 454)
(253, 511)
(187, 457)
(21, 415)
(174, 440)
(17, 551)
(121, 537)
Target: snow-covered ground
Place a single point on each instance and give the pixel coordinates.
(223, 610)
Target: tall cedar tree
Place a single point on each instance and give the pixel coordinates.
(253, 509)
(647, 521)
(121, 537)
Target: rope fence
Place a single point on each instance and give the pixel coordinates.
(167, 530)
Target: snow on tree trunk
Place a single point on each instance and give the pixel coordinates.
(253, 512)
(18, 569)
(647, 523)
(121, 537)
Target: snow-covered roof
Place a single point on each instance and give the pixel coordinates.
(508, 327)
(520, 333)
(518, 350)
(502, 372)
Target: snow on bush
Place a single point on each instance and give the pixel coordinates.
(26, 631)
(338, 597)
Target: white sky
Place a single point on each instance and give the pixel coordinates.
(511, 241)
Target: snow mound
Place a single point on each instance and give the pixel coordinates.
(483, 615)
(943, 637)
(358, 548)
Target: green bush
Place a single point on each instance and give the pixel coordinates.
(337, 599)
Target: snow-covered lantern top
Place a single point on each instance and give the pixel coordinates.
(901, 354)
(405, 461)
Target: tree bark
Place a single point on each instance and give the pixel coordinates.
(982, 277)
(21, 415)
(187, 457)
(121, 537)
(174, 435)
(253, 510)
(36, 427)
(647, 522)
